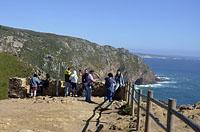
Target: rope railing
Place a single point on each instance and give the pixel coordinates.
(131, 95)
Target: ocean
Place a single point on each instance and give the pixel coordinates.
(182, 79)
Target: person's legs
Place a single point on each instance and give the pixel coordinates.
(86, 93)
(109, 95)
(69, 88)
(65, 90)
(116, 86)
(83, 87)
(34, 91)
(31, 92)
(73, 89)
(57, 85)
(89, 93)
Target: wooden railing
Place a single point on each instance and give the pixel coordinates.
(132, 93)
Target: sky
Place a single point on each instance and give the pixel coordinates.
(169, 27)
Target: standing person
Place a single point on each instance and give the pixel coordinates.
(45, 84)
(74, 80)
(88, 86)
(119, 80)
(110, 86)
(67, 81)
(79, 90)
(80, 74)
(84, 76)
(34, 85)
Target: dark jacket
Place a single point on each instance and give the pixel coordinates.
(110, 84)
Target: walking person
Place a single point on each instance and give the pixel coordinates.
(119, 80)
(67, 81)
(34, 85)
(74, 80)
(88, 86)
(110, 87)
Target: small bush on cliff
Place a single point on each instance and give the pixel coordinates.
(125, 110)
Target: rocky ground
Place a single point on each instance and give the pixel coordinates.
(58, 114)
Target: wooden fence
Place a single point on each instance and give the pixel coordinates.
(134, 98)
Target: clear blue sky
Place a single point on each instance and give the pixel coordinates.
(153, 26)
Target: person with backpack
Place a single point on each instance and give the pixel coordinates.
(110, 86)
(34, 82)
(74, 80)
(88, 86)
(119, 80)
(67, 81)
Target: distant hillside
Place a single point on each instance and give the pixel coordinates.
(52, 53)
(11, 66)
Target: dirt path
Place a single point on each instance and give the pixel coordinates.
(59, 115)
(45, 114)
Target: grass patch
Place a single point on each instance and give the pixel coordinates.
(11, 66)
(125, 110)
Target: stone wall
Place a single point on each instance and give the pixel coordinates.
(20, 88)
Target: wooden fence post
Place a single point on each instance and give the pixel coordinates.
(138, 109)
(132, 101)
(170, 116)
(130, 94)
(148, 111)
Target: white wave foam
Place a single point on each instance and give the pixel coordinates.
(149, 85)
(163, 78)
(167, 82)
(147, 57)
(157, 85)
(154, 57)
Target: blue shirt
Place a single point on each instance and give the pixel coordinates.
(35, 82)
(110, 84)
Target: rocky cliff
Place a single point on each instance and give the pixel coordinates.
(52, 53)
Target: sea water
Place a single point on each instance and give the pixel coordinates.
(182, 79)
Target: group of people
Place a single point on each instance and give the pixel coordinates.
(36, 82)
(112, 84)
(72, 79)
(86, 78)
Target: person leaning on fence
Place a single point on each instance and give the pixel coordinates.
(67, 82)
(119, 80)
(74, 80)
(34, 82)
(88, 86)
(110, 86)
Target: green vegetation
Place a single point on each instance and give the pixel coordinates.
(11, 66)
(125, 110)
(52, 53)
